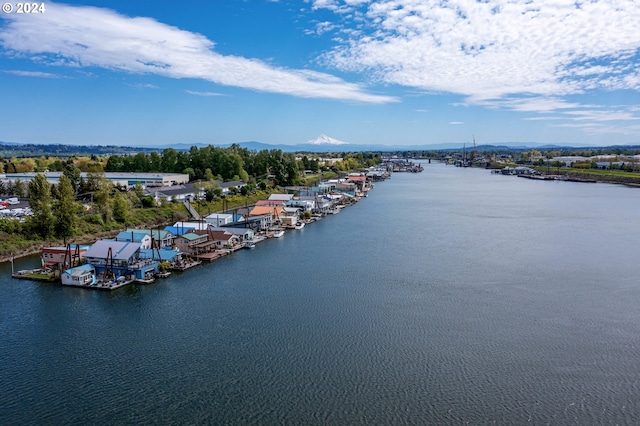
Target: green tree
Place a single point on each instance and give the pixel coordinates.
(189, 171)
(19, 189)
(65, 209)
(169, 160)
(73, 174)
(115, 163)
(148, 201)
(140, 163)
(103, 189)
(42, 221)
(208, 174)
(138, 189)
(121, 207)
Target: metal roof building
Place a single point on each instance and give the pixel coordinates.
(118, 178)
(120, 250)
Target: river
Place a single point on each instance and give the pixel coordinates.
(452, 296)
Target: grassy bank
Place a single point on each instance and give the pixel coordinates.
(600, 175)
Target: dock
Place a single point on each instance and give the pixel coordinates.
(211, 256)
(103, 285)
(38, 274)
(183, 266)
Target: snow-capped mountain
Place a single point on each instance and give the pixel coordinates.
(325, 140)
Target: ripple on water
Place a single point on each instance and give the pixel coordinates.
(447, 297)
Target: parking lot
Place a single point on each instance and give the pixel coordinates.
(20, 209)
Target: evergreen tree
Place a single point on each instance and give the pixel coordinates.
(65, 209)
(18, 188)
(42, 221)
(72, 173)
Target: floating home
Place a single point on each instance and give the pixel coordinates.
(114, 259)
(161, 236)
(135, 237)
(219, 219)
(192, 243)
(80, 276)
(63, 257)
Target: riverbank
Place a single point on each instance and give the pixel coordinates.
(599, 175)
(37, 247)
(586, 175)
(153, 217)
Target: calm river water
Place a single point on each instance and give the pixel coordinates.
(453, 296)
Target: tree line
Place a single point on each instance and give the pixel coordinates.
(234, 163)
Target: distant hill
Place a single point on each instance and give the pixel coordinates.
(320, 144)
(15, 149)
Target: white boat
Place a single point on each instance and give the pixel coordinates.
(279, 233)
(299, 225)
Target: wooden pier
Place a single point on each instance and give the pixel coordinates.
(211, 256)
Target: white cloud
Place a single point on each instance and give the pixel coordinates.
(33, 74)
(492, 49)
(95, 37)
(595, 115)
(321, 28)
(143, 86)
(603, 129)
(529, 104)
(193, 92)
(456, 123)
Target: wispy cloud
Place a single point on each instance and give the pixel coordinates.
(96, 37)
(143, 86)
(321, 28)
(193, 92)
(493, 49)
(34, 74)
(456, 122)
(596, 115)
(603, 128)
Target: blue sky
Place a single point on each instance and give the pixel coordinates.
(405, 72)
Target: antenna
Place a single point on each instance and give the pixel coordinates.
(474, 148)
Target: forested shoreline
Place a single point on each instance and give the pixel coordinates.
(78, 207)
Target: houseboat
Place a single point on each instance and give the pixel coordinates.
(80, 276)
(114, 259)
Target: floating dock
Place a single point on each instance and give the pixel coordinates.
(183, 266)
(39, 274)
(107, 285)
